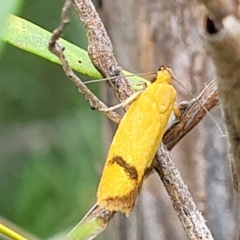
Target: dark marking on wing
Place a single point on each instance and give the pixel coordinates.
(130, 170)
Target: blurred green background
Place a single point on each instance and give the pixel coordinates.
(50, 140)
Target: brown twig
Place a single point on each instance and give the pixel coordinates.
(190, 217)
(56, 48)
(194, 113)
(100, 48)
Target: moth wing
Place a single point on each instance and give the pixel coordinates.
(134, 146)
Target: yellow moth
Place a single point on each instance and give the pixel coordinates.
(135, 143)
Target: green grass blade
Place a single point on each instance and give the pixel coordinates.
(10, 233)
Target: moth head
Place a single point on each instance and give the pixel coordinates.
(164, 75)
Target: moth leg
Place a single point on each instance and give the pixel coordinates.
(177, 112)
(174, 117)
(123, 104)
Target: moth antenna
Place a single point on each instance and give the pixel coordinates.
(210, 115)
(172, 73)
(113, 78)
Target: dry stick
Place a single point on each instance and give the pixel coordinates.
(191, 219)
(223, 46)
(100, 48)
(194, 113)
(100, 51)
(57, 49)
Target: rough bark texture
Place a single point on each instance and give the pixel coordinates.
(145, 35)
(223, 44)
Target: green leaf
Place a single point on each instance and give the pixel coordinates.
(31, 38)
(5, 8)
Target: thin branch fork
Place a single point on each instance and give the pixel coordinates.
(102, 57)
(196, 110)
(100, 48)
(56, 48)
